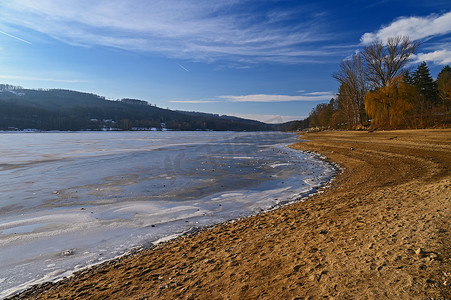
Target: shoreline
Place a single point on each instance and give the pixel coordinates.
(148, 246)
(328, 245)
(264, 201)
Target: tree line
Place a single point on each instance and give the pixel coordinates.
(376, 91)
(71, 110)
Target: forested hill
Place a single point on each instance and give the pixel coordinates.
(58, 109)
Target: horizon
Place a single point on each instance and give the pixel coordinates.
(10, 87)
(270, 61)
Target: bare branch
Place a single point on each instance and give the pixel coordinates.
(386, 61)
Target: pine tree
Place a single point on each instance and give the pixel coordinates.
(422, 79)
(408, 79)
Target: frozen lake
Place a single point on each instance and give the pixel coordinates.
(73, 199)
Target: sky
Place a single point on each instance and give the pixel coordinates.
(267, 60)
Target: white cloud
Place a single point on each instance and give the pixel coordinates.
(190, 29)
(193, 101)
(439, 57)
(266, 98)
(416, 28)
(271, 119)
(317, 96)
(320, 93)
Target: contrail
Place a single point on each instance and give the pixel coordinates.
(15, 37)
(183, 67)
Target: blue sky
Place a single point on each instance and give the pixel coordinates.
(267, 60)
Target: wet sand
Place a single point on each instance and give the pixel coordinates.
(381, 230)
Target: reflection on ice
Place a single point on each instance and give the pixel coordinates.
(70, 200)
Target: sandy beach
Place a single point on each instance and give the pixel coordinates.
(380, 231)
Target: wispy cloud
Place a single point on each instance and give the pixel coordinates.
(272, 119)
(416, 28)
(316, 96)
(193, 101)
(192, 29)
(328, 94)
(264, 98)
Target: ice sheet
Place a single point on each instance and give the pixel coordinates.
(70, 200)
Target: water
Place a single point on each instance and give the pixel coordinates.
(69, 200)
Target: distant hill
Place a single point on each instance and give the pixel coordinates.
(58, 109)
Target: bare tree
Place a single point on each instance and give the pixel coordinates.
(383, 62)
(352, 89)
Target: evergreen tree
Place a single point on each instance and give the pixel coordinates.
(408, 79)
(422, 79)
